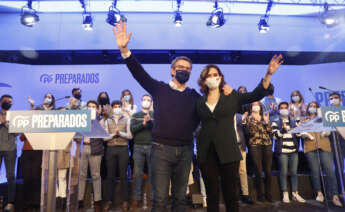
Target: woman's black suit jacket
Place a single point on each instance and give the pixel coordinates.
(218, 127)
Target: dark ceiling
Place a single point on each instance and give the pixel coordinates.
(89, 57)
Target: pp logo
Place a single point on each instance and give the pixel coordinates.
(46, 78)
(21, 121)
(332, 116)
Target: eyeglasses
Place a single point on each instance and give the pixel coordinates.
(212, 75)
(179, 67)
(333, 98)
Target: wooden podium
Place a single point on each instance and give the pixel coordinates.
(51, 131)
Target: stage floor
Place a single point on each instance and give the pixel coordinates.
(278, 206)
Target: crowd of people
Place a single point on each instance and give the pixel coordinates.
(228, 125)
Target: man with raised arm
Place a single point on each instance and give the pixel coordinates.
(175, 120)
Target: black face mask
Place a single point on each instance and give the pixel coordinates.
(103, 101)
(77, 96)
(6, 105)
(182, 76)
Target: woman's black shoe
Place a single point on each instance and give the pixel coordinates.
(262, 199)
(80, 204)
(246, 199)
(58, 203)
(64, 203)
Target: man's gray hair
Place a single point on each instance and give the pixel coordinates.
(181, 58)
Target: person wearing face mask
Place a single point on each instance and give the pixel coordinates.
(297, 107)
(63, 156)
(104, 107)
(244, 108)
(31, 161)
(116, 155)
(217, 147)
(128, 109)
(75, 102)
(335, 100)
(175, 122)
(93, 150)
(286, 148)
(8, 150)
(141, 126)
(270, 104)
(128, 106)
(260, 149)
(317, 147)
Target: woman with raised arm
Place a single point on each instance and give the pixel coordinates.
(218, 152)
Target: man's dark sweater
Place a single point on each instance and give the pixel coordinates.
(175, 116)
(142, 134)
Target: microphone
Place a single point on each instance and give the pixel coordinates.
(59, 99)
(324, 88)
(312, 93)
(65, 97)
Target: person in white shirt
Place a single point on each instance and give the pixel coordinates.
(128, 106)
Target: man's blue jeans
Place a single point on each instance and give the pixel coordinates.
(170, 164)
(141, 154)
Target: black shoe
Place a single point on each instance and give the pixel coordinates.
(269, 200)
(80, 204)
(58, 203)
(246, 199)
(64, 203)
(261, 199)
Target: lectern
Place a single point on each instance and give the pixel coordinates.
(49, 130)
(332, 120)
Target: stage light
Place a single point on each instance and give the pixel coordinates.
(28, 15)
(217, 17)
(263, 26)
(329, 20)
(178, 19)
(87, 22)
(178, 15)
(87, 17)
(328, 17)
(114, 15)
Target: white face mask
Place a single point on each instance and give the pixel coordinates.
(93, 112)
(334, 102)
(48, 101)
(146, 104)
(212, 82)
(295, 98)
(117, 111)
(284, 112)
(127, 98)
(256, 108)
(312, 110)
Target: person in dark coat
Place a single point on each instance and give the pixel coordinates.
(218, 152)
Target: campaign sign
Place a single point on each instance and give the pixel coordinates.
(333, 116)
(44, 121)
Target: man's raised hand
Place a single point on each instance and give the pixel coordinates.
(121, 36)
(274, 64)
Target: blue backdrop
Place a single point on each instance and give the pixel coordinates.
(22, 81)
